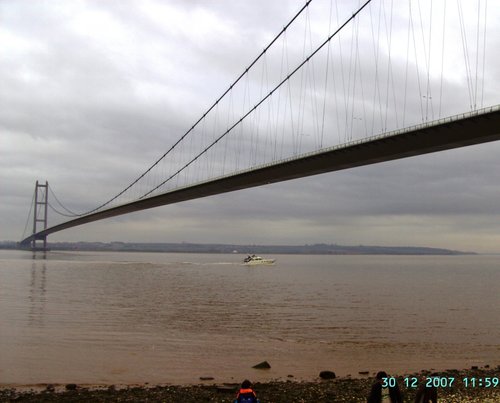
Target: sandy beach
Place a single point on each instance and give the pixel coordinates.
(280, 391)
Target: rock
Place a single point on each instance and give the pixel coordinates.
(50, 388)
(262, 365)
(327, 375)
(206, 378)
(290, 376)
(226, 389)
(487, 366)
(363, 372)
(474, 367)
(71, 386)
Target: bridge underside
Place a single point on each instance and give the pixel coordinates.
(459, 131)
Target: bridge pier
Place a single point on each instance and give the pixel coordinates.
(39, 244)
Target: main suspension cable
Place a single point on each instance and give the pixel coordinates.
(306, 60)
(206, 113)
(71, 213)
(59, 212)
(29, 215)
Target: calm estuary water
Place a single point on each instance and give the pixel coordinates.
(171, 318)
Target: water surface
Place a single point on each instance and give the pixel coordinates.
(171, 318)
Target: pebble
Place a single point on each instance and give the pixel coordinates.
(342, 390)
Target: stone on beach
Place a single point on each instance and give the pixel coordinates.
(327, 375)
(262, 365)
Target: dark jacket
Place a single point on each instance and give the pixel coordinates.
(376, 394)
(426, 395)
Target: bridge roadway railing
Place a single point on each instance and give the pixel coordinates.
(475, 127)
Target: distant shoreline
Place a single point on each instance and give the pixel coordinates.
(185, 247)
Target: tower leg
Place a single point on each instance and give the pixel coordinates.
(40, 216)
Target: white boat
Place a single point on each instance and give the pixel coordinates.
(252, 260)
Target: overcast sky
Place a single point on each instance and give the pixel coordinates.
(92, 92)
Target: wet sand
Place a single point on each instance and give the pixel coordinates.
(282, 391)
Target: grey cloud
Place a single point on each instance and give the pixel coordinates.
(90, 118)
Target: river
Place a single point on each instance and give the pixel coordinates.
(126, 318)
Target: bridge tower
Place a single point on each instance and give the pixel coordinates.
(40, 216)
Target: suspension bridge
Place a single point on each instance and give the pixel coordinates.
(334, 89)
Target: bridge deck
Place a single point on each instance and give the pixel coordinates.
(457, 131)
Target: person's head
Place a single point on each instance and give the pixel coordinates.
(246, 384)
(381, 375)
